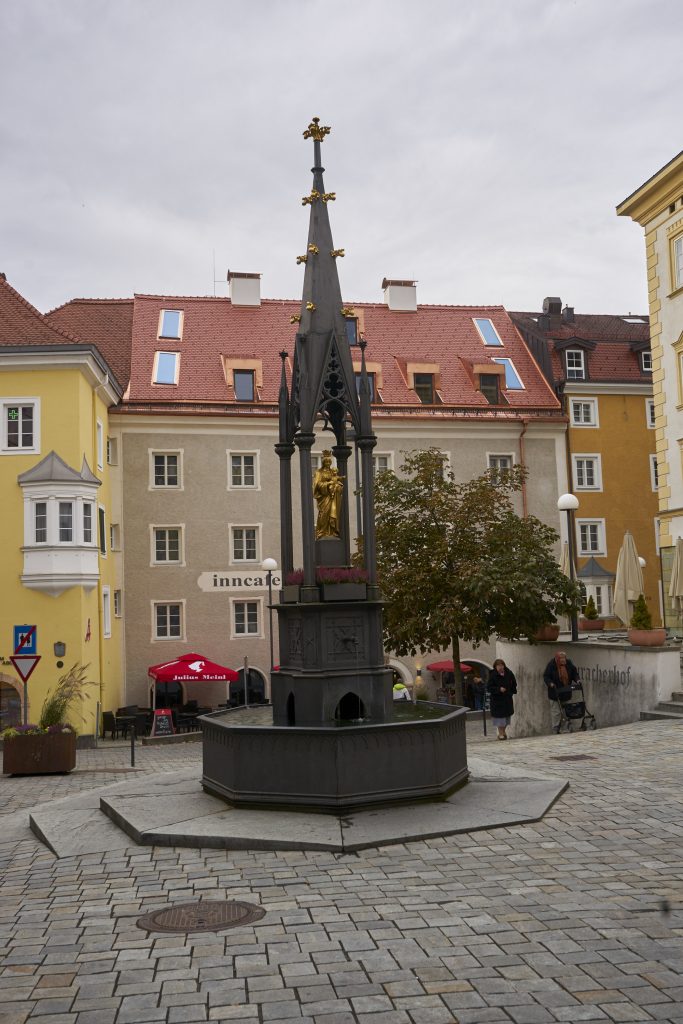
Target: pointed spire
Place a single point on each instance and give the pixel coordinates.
(364, 395)
(321, 303)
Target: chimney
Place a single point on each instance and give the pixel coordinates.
(552, 309)
(400, 296)
(568, 315)
(245, 289)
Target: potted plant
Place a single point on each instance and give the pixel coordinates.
(590, 620)
(548, 632)
(641, 633)
(335, 583)
(50, 746)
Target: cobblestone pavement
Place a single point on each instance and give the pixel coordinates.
(559, 921)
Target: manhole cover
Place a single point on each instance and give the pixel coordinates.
(206, 916)
(573, 757)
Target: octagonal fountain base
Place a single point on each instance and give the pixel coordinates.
(421, 754)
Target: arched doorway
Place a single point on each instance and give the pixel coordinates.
(168, 695)
(10, 702)
(256, 688)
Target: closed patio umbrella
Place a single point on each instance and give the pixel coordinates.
(564, 560)
(628, 584)
(676, 584)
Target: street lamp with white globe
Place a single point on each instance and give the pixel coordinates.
(269, 565)
(569, 503)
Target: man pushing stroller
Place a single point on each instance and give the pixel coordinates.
(560, 673)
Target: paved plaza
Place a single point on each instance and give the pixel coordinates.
(578, 917)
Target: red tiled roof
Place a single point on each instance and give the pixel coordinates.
(22, 324)
(106, 323)
(615, 357)
(214, 328)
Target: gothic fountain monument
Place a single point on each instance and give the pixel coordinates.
(333, 744)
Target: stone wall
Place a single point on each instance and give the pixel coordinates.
(619, 681)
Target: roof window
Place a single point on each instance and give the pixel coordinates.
(488, 332)
(634, 319)
(244, 385)
(512, 379)
(166, 365)
(170, 323)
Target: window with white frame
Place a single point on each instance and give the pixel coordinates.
(167, 545)
(118, 605)
(646, 361)
(488, 332)
(591, 536)
(165, 469)
(584, 412)
(587, 472)
(602, 596)
(40, 522)
(106, 612)
(99, 431)
(168, 620)
(66, 522)
(166, 368)
(245, 618)
(575, 364)
(170, 323)
(677, 262)
(243, 470)
(112, 451)
(513, 382)
(654, 472)
(20, 426)
(381, 461)
(500, 463)
(244, 543)
(87, 522)
(650, 412)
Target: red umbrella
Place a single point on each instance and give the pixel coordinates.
(447, 666)
(190, 668)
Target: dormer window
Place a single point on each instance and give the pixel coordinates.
(166, 366)
(488, 332)
(488, 385)
(244, 385)
(646, 360)
(170, 323)
(423, 384)
(352, 330)
(576, 369)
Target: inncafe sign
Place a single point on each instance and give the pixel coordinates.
(234, 582)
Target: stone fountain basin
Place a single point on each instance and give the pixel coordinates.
(336, 768)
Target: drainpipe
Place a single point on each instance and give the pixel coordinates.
(522, 462)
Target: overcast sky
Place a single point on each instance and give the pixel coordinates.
(478, 146)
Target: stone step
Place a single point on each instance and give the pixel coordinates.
(668, 705)
(677, 695)
(649, 716)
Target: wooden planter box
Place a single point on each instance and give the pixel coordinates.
(290, 593)
(343, 591)
(647, 637)
(40, 754)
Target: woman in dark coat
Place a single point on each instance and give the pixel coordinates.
(501, 686)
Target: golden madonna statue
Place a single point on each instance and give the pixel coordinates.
(328, 487)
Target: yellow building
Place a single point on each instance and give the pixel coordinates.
(601, 367)
(59, 600)
(658, 207)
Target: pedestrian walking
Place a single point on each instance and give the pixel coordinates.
(501, 687)
(558, 677)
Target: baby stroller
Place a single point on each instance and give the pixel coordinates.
(574, 713)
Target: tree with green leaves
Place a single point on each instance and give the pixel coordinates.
(456, 563)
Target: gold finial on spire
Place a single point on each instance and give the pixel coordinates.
(301, 259)
(316, 130)
(307, 200)
(347, 311)
(310, 306)
(329, 196)
(314, 249)
(337, 252)
(296, 319)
